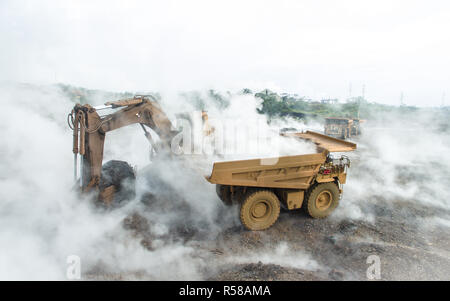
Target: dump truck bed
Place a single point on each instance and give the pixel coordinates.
(325, 142)
(292, 172)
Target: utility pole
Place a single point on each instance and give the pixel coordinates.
(359, 98)
(358, 110)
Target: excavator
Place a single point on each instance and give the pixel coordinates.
(113, 182)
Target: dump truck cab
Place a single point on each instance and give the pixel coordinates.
(260, 186)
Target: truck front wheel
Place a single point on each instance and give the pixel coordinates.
(260, 210)
(321, 200)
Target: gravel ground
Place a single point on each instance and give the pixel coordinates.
(402, 229)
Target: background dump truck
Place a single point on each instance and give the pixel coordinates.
(342, 128)
(312, 181)
(338, 127)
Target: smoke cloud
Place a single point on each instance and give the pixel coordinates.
(176, 226)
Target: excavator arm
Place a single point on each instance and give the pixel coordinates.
(89, 131)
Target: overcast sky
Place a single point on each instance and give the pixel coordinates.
(313, 48)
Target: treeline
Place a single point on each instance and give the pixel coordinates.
(84, 96)
(273, 104)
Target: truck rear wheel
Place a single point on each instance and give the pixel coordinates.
(260, 210)
(224, 194)
(321, 200)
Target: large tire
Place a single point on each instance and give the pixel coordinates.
(224, 194)
(321, 200)
(260, 210)
(120, 175)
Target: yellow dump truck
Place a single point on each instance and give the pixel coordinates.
(338, 127)
(261, 186)
(342, 128)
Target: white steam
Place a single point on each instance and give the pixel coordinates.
(42, 221)
(399, 159)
